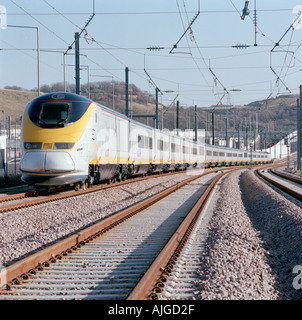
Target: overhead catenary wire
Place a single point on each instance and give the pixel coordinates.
(86, 36)
(215, 78)
(32, 16)
(291, 58)
(287, 51)
(276, 44)
(54, 33)
(93, 40)
(80, 33)
(145, 12)
(192, 56)
(189, 26)
(99, 44)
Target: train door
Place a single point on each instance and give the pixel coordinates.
(122, 140)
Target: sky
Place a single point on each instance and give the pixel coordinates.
(199, 52)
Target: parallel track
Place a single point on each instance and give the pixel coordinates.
(155, 279)
(97, 274)
(29, 199)
(294, 189)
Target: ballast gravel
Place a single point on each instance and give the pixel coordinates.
(24, 231)
(254, 242)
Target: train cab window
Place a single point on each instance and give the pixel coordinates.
(54, 113)
(56, 110)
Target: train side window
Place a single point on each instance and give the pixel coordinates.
(150, 143)
(165, 145)
(146, 142)
(140, 140)
(160, 145)
(175, 147)
(172, 147)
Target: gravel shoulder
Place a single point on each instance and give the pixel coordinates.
(254, 242)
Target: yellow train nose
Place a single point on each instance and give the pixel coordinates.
(48, 162)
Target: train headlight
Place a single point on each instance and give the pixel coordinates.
(63, 145)
(32, 145)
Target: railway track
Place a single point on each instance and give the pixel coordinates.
(28, 199)
(183, 277)
(288, 184)
(177, 279)
(110, 259)
(186, 280)
(31, 198)
(286, 176)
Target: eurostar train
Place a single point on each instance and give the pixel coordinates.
(70, 140)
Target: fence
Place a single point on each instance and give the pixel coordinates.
(10, 155)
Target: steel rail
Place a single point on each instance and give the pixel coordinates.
(154, 279)
(22, 269)
(17, 196)
(280, 186)
(293, 179)
(51, 198)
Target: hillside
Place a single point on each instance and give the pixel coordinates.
(13, 102)
(275, 114)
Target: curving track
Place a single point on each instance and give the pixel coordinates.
(288, 184)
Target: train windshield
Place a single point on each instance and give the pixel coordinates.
(54, 113)
(47, 112)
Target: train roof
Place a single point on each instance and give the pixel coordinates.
(62, 96)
